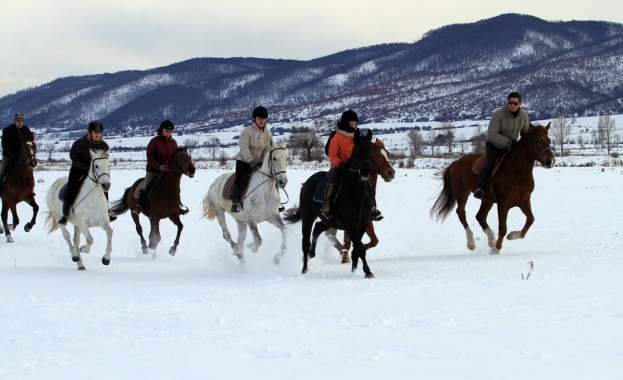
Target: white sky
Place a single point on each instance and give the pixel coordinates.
(42, 40)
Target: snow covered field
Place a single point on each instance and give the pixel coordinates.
(434, 311)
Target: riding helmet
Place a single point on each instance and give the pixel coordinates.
(167, 124)
(96, 126)
(346, 118)
(260, 111)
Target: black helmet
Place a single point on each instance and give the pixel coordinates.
(349, 116)
(167, 124)
(96, 126)
(260, 112)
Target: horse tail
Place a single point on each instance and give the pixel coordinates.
(50, 223)
(120, 206)
(208, 209)
(292, 215)
(446, 201)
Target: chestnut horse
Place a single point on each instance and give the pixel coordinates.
(163, 200)
(509, 187)
(380, 167)
(19, 186)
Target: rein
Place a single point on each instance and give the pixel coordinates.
(96, 180)
(272, 176)
(174, 170)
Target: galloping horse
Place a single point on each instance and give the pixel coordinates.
(163, 200)
(261, 202)
(19, 187)
(511, 187)
(351, 210)
(90, 208)
(380, 167)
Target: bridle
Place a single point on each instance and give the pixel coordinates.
(183, 168)
(31, 158)
(95, 174)
(273, 174)
(537, 156)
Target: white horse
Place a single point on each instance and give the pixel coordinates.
(90, 209)
(261, 202)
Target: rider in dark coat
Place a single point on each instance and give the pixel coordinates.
(80, 163)
(12, 143)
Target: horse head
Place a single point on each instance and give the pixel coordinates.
(277, 162)
(538, 144)
(100, 169)
(380, 161)
(28, 153)
(361, 158)
(181, 162)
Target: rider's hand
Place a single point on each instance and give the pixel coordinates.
(514, 144)
(164, 168)
(252, 165)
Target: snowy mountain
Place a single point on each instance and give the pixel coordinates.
(457, 72)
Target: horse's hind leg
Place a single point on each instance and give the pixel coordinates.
(154, 233)
(481, 217)
(15, 223)
(5, 226)
(257, 239)
(277, 222)
(460, 211)
(89, 240)
(319, 228)
(242, 235)
(220, 217)
(374, 240)
(342, 248)
(526, 208)
(175, 218)
(139, 231)
(108, 229)
(35, 210)
(73, 248)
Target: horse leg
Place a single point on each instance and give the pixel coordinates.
(526, 208)
(257, 239)
(345, 248)
(331, 234)
(220, 217)
(502, 215)
(360, 252)
(35, 210)
(175, 218)
(460, 211)
(277, 222)
(242, 235)
(374, 240)
(319, 228)
(139, 231)
(481, 217)
(5, 226)
(15, 217)
(307, 227)
(108, 229)
(87, 235)
(154, 233)
(75, 251)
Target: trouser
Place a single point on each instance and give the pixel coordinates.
(73, 184)
(149, 178)
(242, 169)
(4, 165)
(493, 153)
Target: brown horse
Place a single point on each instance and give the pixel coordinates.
(509, 187)
(380, 167)
(19, 187)
(163, 200)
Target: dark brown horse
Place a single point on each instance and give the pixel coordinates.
(509, 187)
(19, 186)
(380, 167)
(163, 200)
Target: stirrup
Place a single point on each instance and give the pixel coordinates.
(183, 210)
(62, 220)
(281, 208)
(234, 207)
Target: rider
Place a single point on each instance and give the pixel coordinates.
(159, 150)
(254, 142)
(504, 128)
(80, 163)
(340, 148)
(12, 143)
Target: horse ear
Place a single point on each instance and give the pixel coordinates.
(369, 135)
(547, 128)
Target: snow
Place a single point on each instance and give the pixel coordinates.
(434, 311)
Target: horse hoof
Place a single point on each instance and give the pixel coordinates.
(82, 268)
(105, 261)
(369, 275)
(304, 271)
(12, 227)
(75, 259)
(312, 255)
(276, 261)
(28, 227)
(172, 251)
(9, 239)
(238, 255)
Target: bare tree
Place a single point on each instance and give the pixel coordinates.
(479, 140)
(304, 141)
(607, 126)
(49, 148)
(561, 129)
(415, 141)
(213, 143)
(430, 139)
(447, 127)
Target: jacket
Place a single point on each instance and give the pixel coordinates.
(341, 148)
(159, 151)
(504, 127)
(254, 144)
(11, 141)
(80, 153)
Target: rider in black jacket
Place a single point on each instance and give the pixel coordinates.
(12, 143)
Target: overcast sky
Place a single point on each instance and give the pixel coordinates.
(42, 40)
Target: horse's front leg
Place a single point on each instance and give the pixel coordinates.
(526, 208)
(242, 235)
(374, 240)
(154, 233)
(35, 210)
(75, 248)
(139, 231)
(108, 229)
(359, 252)
(15, 223)
(5, 226)
(176, 220)
(277, 222)
(502, 216)
(481, 217)
(257, 239)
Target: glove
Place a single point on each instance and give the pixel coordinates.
(514, 144)
(164, 168)
(342, 165)
(252, 165)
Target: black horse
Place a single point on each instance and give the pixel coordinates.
(351, 208)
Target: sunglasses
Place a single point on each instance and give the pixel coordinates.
(513, 103)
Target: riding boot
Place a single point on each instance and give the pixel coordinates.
(326, 206)
(63, 219)
(142, 194)
(235, 199)
(376, 215)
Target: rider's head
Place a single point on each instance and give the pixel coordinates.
(166, 127)
(348, 121)
(18, 120)
(95, 130)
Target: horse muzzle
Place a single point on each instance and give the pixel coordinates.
(105, 186)
(389, 175)
(191, 172)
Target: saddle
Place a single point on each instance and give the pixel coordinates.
(318, 196)
(482, 161)
(139, 187)
(244, 186)
(63, 190)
